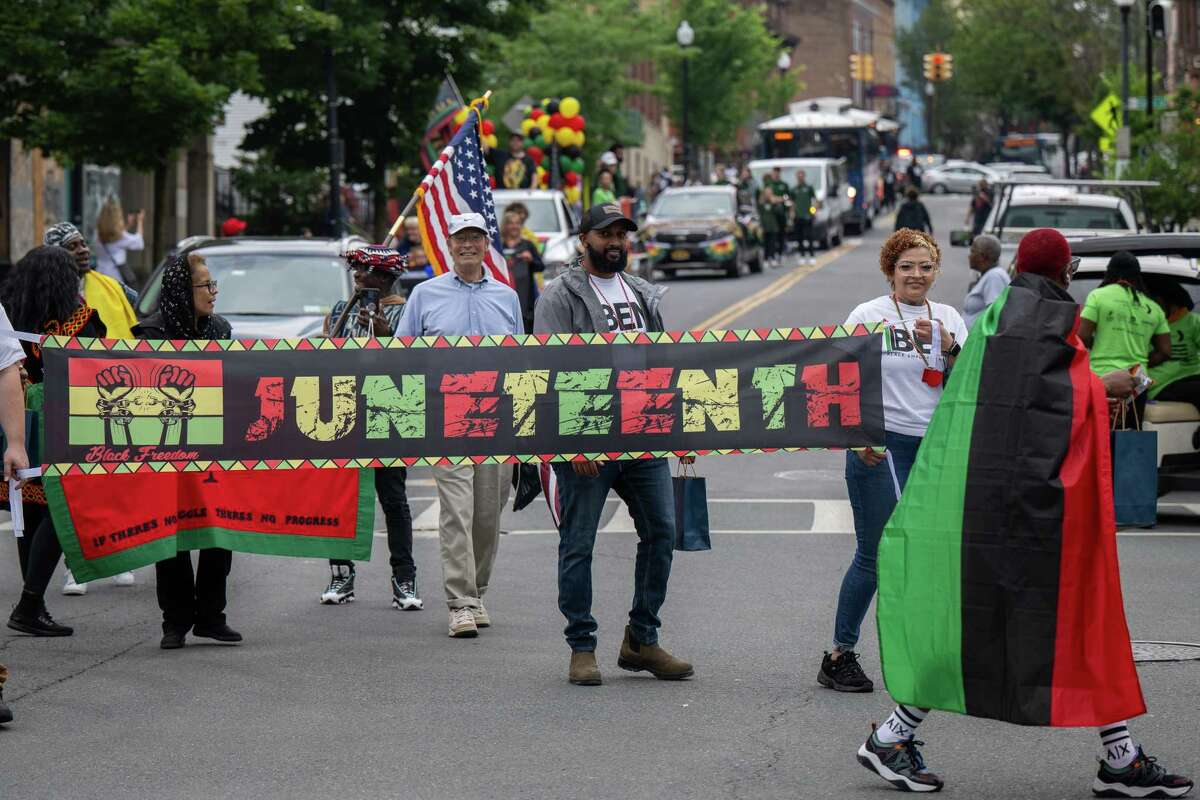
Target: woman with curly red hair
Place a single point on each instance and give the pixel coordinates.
(922, 341)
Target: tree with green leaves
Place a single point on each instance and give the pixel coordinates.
(953, 116)
(1171, 155)
(130, 82)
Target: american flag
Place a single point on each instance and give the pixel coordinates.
(459, 184)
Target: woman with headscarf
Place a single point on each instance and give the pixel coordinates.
(42, 296)
(190, 602)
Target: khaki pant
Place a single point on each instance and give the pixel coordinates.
(471, 497)
(3, 674)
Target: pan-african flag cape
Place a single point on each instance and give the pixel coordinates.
(999, 590)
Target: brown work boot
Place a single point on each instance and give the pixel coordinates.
(584, 671)
(652, 658)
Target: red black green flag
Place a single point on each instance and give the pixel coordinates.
(999, 590)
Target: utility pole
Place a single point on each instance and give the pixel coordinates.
(1149, 63)
(336, 151)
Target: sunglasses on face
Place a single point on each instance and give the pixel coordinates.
(1073, 266)
(211, 286)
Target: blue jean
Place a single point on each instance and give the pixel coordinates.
(645, 486)
(873, 497)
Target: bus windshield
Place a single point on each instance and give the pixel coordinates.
(852, 144)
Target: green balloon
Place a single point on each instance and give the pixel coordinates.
(539, 141)
(577, 165)
(529, 143)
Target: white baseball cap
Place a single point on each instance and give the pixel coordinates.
(461, 222)
(608, 158)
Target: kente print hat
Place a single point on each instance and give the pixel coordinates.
(378, 257)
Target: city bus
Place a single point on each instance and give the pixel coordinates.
(1039, 149)
(829, 127)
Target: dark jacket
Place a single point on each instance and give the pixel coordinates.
(913, 214)
(153, 327)
(568, 304)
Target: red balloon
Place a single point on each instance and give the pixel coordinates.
(557, 120)
(572, 179)
(536, 154)
(576, 123)
(536, 113)
(492, 180)
(488, 127)
(546, 180)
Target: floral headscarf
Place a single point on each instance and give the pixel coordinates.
(61, 235)
(177, 304)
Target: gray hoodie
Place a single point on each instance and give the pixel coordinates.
(568, 304)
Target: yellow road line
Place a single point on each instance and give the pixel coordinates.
(724, 318)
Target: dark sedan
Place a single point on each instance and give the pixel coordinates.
(701, 227)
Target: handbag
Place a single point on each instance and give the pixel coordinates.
(691, 511)
(1135, 473)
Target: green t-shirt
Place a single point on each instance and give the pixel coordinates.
(803, 197)
(1185, 354)
(1124, 327)
(601, 195)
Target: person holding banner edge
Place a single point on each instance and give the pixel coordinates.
(375, 310)
(467, 301)
(190, 602)
(592, 296)
(12, 422)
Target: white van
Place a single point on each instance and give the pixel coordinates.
(827, 176)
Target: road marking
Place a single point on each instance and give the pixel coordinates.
(723, 319)
(428, 520)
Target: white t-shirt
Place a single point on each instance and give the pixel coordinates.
(10, 348)
(622, 310)
(111, 257)
(908, 402)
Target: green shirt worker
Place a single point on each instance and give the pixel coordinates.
(804, 203)
(1178, 379)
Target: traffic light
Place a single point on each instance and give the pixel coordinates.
(947, 66)
(938, 67)
(856, 72)
(862, 66)
(930, 72)
(1157, 21)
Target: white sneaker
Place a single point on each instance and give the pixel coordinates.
(73, 589)
(482, 620)
(812, 260)
(124, 579)
(462, 624)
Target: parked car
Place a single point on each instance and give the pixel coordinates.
(1010, 169)
(1174, 256)
(702, 227)
(269, 287)
(957, 176)
(827, 176)
(550, 218)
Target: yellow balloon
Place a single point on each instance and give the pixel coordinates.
(461, 116)
(579, 138)
(527, 125)
(564, 136)
(569, 107)
(492, 141)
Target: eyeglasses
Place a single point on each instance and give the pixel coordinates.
(908, 267)
(1073, 266)
(211, 286)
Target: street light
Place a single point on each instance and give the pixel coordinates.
(784, 62)
(685, 36)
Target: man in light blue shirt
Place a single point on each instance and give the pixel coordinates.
(984, 258)
(466, 302)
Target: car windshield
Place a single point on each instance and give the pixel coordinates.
(269, 284)
(694, 204)
(812, 176)
(542, 216)
(1063, 216)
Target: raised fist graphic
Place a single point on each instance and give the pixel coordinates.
(114, 383)
(176, 383)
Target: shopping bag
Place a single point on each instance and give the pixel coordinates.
(691, 511)
(1135, 476)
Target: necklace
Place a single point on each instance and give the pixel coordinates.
(931, 377)
(604, 298)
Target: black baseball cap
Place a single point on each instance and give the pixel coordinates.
(601, 215)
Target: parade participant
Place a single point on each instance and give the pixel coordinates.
(889, 185)
(517, 169)
(522, 213)
(100, 292)
(524, 261)
(912, 213)
(1178, 379)
(984, 258)
(114, 241)
(417, 260)
(412, 235)
(375, 270)
(1121, 325)
(12, 422)
(804, 201)
(43, 295)
(592, 296)
(195, 603)
(981, 206)
(466, 302)
(1000, 592)
(603, 193)
(913, 378)
(773, 215)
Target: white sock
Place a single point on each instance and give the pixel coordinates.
(1117, 747)
(901, 725)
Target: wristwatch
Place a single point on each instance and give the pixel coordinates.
(954, 350)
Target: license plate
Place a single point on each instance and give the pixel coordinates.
(680, 255)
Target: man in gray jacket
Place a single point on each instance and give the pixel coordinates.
(592, 296)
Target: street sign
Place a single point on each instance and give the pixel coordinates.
(1139, 103)
(1107, 115)
(1123, 148)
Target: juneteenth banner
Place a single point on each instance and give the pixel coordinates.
(121, 407)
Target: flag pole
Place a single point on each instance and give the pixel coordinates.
(477, 107)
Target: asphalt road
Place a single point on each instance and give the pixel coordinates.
(361, 701)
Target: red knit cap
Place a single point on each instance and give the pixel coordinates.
(1043, 251)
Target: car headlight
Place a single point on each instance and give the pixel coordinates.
(851, 192)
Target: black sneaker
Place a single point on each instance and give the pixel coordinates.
(404, 595)
(173, 639)
(5, 711)
(900, 764)
(38, 623)
(341, 586)
(1143, 778)
(844, 675)
(220, 632)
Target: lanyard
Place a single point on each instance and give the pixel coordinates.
(604, 297)
(931, 377)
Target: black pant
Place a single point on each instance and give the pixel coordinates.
(772, 244)
(393, 496)
(186, 600)
(804, 235)
(1184, 390)
(34, 514)
(43, 552)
